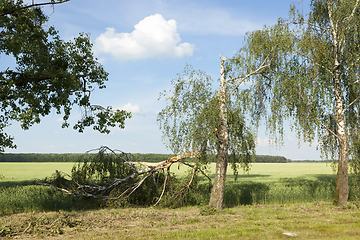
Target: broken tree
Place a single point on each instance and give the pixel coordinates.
(201, 118)
(111, 175)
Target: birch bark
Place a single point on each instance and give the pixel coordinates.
(217, 193)
(342, 180)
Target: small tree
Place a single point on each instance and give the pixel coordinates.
(313, 79)
(202, 119)
(50, 73)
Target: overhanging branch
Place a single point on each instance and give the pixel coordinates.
(32, 5)
(316, 119)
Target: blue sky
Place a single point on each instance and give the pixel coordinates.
(143, 44)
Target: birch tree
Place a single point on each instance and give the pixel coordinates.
(312, 80)
(200, 118)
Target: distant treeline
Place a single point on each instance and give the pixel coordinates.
(137, 157)
(40, 157)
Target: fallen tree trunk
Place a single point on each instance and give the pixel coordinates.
(99, 176)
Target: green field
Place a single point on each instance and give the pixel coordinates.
(260, 172)
(266, 183)
(271, 202)
(31, 171)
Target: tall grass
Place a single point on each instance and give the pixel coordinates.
(18, 197)
(285, 191)
(22, 197)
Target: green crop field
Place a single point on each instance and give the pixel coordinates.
(31, 171)
(260, 172)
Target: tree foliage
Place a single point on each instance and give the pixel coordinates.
(191, 119)
(312, 79)
(50, 73)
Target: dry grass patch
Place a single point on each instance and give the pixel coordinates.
(301, 221)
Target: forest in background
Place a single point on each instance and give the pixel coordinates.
(136, 157)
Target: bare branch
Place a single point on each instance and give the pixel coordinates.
(257, 71)
(167, 163)
(192, 177)
(32, 5)
(25, 79)
(31, 222)
(342, 91)
(348, 19)
(243, 78)
(313, 25)
(190, 165)
(138, 184)
(57, 188)
(353, 102)
(163, 190)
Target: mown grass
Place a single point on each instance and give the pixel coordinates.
(274, 221)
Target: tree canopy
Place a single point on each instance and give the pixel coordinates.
(312, 79)
(304, 69)
(190, 122)
(50, 73)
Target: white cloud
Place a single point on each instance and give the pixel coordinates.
(135, 109)
(153, 37)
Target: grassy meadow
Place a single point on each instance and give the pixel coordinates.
(266, 183)
(273, 201)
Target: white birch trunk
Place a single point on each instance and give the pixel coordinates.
(342, 180)
(217, 193)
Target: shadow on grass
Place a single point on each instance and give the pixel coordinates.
(7, 184)
(241, 176)
(245, 176)
(244, 193)
(287, 190)
(26, 196)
